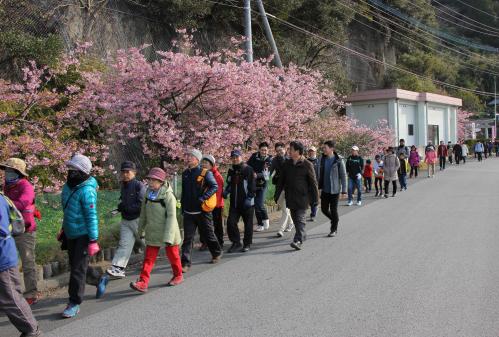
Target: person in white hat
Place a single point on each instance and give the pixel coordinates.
(355, 167)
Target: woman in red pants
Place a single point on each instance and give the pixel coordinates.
(158, 225)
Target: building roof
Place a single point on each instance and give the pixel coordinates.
(385, 94)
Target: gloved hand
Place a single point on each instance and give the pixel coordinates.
(59, 235)
(248, 203)
(93, 248)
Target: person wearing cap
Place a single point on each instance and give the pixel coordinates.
(298, 180)
(312, 158)
(332, 182)
(285, 223)
(209, 163)
(159, 226)
(80, 227)
(260, 162)
(241, 188)
(18, 189)
(198, 185)
(391, 164)
(355, 168)
(132, 195)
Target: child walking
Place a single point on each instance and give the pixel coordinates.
(368, 176)
(158, 224)
(430, 159)
(402, 172)
(378, 175)
(414, 160)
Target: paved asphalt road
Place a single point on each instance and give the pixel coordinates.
(422, 264)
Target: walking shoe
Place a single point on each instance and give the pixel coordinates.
(245, 249)
(332, 234)
(311, 219)
(359, 203)
(71, 310)
(296, 245)
(216, 259)
(266, 224)
(139, 286)
(32, 300)
(37, 333)
(185, 268)
(101, 286)
(350, 203)
(175, 281)
(259, 229)
(116, 272)
(290, 227)
(393, 195)
(377, 194)
(280, 234)
(203, 247)
(386, 195)
(234, 248)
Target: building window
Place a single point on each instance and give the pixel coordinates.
(410, 130)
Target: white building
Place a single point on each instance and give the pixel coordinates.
(415, 117)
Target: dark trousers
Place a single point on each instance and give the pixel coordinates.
(368, 184)
(203, 221)
(298, 216)
(450, 159)
(403, 180)
(233, 230)
(78, 266)
(218, 224)
(479, 154)
(464, 159)
(414, 171)
(329, 206)
(378, 185)
(442, 162)
(13, 304)
(260, 209)
(394, 186)
(313, 211)
(458, 158)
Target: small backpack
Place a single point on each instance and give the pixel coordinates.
(209, 204)
(16, 225)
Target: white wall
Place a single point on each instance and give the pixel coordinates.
(368, 113)
(437, 115)
(407, 115)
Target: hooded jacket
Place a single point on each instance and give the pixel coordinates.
(132, 195)
(241, 185)
(414, 158)
(80, 210)
(194, 193)
(258, 163)
(22, 194)
(338, 175)
(390, 166)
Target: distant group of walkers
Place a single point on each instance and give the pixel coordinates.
(303, 182)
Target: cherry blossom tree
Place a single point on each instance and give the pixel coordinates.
(463, 121)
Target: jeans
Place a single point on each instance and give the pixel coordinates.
(150, 255)
(285, 220)
(203, 221)
(329, 206)
(394, 186)
(442, 162)
(414, 171)
(354, 183)
(233, 230)
(260, 209)
(12, 303)
(403, 180)
(26, 246)
(128, 235)
(298, 216)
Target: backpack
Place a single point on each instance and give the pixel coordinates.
(209, 204)
(16, 220)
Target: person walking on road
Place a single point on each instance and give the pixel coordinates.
(332, 182)
(414, 160)
(368, 176)
(490, 147)
(159, 227)
(391, 165)
(430, 159)
(442, 153)
(355, 167)
(12, 302)
(198, 185)
(402, 148)
(132, 195)
(465, 152)
(298, 181)
(18, 189)
(241, 188)
(402, 172)
(209, 163)
(378, 175)
(312, 158)
(285, 223)
(450, 151)
(479, 149)
(80, 229)
(458, 153)
(260, 162)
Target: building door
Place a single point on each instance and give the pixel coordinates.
(433, 134)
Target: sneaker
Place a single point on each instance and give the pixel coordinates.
(296, 245)
(101, 287)
(386, 196)
(116, 272)
(393, 195)
(175, 281)
(376, 195)
(71, 310)
(139, 286)
(290, 227)
(32, 300)
(280, 234)
(266, 224)
(350, 203)
(311, 219)
(245, 249)
(332, 234)
(259, 229)
(185, 268)
(234, 248)
(216, 259)
(359, 203)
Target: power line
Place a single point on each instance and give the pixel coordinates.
(477, 9)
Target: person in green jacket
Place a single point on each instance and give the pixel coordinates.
(158, 225)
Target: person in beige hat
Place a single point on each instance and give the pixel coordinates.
(18, 189)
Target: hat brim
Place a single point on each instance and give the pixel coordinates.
(155, 178)
(4, 166)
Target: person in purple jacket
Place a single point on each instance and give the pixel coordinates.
(414, 160)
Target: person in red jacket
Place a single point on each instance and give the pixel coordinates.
(208, 162)
(18, 189)
(368, 176)
(442, 154)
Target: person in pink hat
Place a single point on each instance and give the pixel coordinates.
(158, 225)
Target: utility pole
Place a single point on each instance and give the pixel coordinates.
(247, 31)
(268, 33)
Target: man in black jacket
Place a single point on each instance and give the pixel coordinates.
(300, 185)
(195, 190)
(132, 195)
(285, 222)
(260, 162)
(241, 187)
